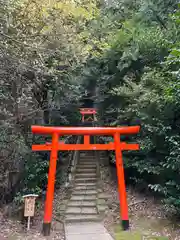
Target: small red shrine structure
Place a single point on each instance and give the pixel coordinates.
(88, 114)
(57, 145)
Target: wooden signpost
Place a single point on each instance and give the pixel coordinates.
(29, 207)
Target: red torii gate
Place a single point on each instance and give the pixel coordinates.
(57, 145)
(88, 111)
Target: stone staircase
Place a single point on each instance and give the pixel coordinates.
(84, 200)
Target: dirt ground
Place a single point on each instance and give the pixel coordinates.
(12, 229)
(147, 217)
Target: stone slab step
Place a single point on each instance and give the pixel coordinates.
(85, 184)
(94, 167)
(84, 164)
(85, 175)
(86, 167)
(81, 211)
(86, 159)
(86, 230)
(85, 170)
(87, 163)
(85, 180)
(84, 192)
(82, 204)
(83, 198)
(84, 187)
(82, 218)
(88, 153)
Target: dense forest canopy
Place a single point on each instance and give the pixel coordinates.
(124, 55)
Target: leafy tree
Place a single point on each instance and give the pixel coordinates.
(40, 50)
(137, 82)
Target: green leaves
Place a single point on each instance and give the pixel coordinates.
(157, 188)
(138, 84)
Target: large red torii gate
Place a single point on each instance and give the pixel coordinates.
(57, 145)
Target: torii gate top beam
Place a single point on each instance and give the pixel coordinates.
(85, 130)
(88, 110)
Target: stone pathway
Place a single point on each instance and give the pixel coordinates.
(86, 205)
(82, 204)
(86, 231)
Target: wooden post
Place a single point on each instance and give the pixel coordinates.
(50, 186)
(29, 221)
(121, 183)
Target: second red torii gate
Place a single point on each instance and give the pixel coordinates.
(57, 145)
(88, 112)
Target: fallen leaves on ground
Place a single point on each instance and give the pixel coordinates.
(147, 216)
(15, 230)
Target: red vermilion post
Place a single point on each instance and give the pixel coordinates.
(86, 140)
(50, 186)
(121, 183)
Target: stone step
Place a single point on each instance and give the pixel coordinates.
(88, 153)
(85, 180)
(81, 211)
(82, 218)
(84, 187)
(82, 203)
(87, 163)
(88, 184)
(86, 170)
(90, 166)
(84, 192)
(85, 184)
(87, 158)
(83, 198)
(93, 163)
(80, 166)
(85, 175)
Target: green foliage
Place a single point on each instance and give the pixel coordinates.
(137, 83)
(41, 54)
